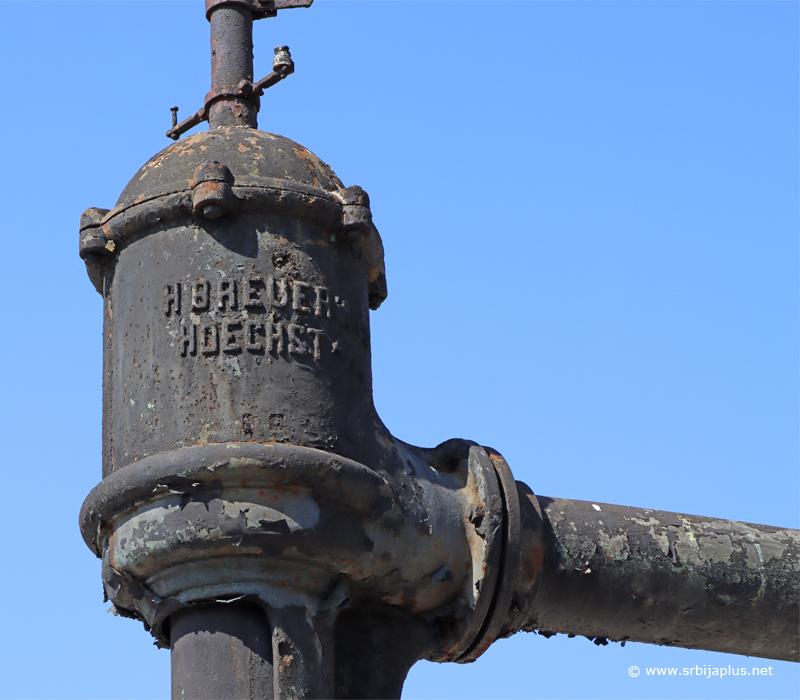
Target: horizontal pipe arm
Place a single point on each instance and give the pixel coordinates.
(616, 573)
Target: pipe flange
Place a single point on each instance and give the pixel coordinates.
(509, 561)
(284, 524)
(260, 9)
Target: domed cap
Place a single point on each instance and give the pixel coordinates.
(233, 169)
(253, 158)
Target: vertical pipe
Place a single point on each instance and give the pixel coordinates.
(302, 650)
(231, 63)
(221, 651)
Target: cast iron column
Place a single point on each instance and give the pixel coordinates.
(257, 515)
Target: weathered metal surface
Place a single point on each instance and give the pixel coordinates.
(257, 515)
(259, 8)
(231, 64)
(221, 651)
(246, 328)
(617, 573)
(237, 273)
(509, 565)
(234, 99)
(290, 525)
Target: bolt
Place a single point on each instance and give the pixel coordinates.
(212, 211)
(174, 111)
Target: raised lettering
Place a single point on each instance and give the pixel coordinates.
(275, 337)
(278, 298)
(322, 304)
(172, 298)
(258, 332)
(252, 330)
(298, 296)
(209, 339)
(296, 344)
(230, 339)
(201, 293)
(227, 294)
(315, 337)
(252, 289)
(188, 339)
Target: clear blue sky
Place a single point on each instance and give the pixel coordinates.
(590, 214)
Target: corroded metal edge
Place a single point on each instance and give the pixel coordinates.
(223, 521)
(503, 597)
(103, 232)
(194, 467)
